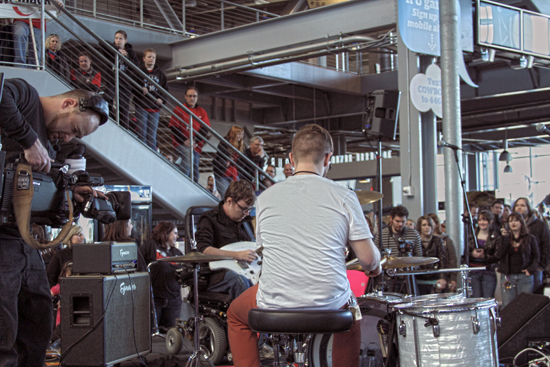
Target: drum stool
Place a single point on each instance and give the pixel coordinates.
(296, 324)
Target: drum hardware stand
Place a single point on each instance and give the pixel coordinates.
(156, 330)
(466, 217)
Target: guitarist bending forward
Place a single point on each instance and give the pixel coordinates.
(226, 224)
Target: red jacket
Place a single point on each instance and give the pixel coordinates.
(176, 123)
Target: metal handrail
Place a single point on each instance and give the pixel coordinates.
(166, 94)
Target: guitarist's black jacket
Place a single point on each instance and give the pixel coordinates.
(217, 230)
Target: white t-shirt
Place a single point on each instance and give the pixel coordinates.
(304, 223)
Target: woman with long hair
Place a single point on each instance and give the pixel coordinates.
(75, 235)
(121, 231)
(432, 246)
(225, 168)
(450, 250)
(542, 235)
(519, 259)
(484, 255)
(164, 280)
(55, 59)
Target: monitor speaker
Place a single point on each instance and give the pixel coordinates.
(382, 113)
(105, 319)
(525, 322)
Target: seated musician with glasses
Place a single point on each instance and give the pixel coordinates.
(226, 224)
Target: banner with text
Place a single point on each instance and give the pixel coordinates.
(24, 9)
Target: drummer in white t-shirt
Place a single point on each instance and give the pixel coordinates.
(304, 265)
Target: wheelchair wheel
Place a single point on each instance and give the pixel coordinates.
(213, 340)
(174, 341)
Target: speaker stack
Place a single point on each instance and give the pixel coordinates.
(525, 323)
(105, 319)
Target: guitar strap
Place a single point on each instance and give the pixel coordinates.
(249, 231)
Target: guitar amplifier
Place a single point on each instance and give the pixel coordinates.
(104, 257)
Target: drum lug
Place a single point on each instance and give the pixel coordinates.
(402, 329)
(436, 330)
(476, 325)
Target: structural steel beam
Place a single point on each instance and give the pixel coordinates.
(345, 18)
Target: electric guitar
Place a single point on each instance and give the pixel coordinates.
(241, 267)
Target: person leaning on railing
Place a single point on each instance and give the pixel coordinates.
(55, 58)
(86, 77)
(225, 168)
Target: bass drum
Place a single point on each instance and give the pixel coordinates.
(374, 307)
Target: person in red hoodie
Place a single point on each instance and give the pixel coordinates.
(86, 77)
(149, 99)
(23, 41)
(179, 125)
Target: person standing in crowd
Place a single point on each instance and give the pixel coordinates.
(311, 248)
(411, 224)
(65, 255)
(484, 254)
(55, 58)
(179, 125)
(288, 170)
(226, 224)
(225, 168)
(211, 186)
(125, 87)
(519, 259)
(497, 208)
(271, 171)
(166, 290)
(542, 235)
(432, 246)
(255, 152)
(149, 99)
(450, 250)
(86, 77)
(397, 237)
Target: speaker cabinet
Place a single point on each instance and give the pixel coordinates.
(105, 319)
(383, 112)
(525, 320)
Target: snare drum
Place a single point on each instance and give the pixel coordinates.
(374, 307)
(447, 332)
(431, 297)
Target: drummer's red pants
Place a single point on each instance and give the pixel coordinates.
(244, 342)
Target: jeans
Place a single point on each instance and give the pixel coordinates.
(483, 284)
(147, 125)
(232, 283)
(537, 280)
(521, 283)
(22, 42)
(26, 314)
(244, 342)
(185, 164)
(167, 311)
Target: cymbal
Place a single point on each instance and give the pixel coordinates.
(194, 258)
(391, 262)
(367, 197)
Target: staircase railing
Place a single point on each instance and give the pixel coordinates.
(119, 85)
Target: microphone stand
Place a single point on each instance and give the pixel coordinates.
(467, 217)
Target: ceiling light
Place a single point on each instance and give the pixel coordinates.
(508, 168)
(505, 156)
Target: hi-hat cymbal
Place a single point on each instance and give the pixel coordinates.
(391, 262)
(194, 258)
(367, 197)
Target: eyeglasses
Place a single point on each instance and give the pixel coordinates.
(245, 210)
(192, 95)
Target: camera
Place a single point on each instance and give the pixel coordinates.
(49, 204)
(405, 247)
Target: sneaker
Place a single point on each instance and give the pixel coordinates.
(266, 352)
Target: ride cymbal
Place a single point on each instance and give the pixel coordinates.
(391, 262)
(194, 258)
(367, 197)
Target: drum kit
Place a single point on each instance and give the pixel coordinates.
(441, 329)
